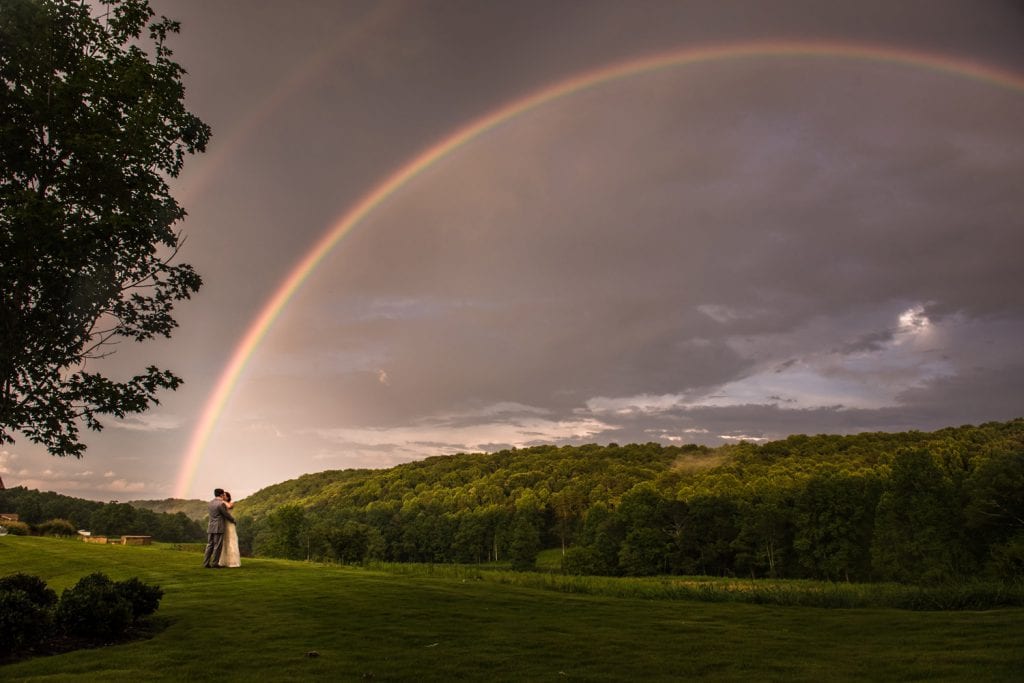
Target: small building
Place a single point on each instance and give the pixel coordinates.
(8, 516)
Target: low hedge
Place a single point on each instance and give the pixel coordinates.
(95, 611)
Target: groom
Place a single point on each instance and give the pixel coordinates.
(215, 529)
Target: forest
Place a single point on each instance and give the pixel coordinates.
(54, 514)
(910, 507)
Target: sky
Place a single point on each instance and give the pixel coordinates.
(786, 217)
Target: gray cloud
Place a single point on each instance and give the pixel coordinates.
(751, 247)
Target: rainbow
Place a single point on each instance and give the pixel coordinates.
(257, 330)
(225, 145)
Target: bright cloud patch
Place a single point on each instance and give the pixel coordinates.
(814, 367)
(471, 431)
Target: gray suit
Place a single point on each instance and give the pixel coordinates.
(215, 531)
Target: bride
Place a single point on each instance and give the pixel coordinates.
(229, 556)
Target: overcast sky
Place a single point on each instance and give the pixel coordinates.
(729, 249)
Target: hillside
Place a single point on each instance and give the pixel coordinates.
(193, 508)
(912, 507)
(483, 478)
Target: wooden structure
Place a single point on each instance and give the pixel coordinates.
(123, 540)
(136, 540)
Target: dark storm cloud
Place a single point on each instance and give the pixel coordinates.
(612, 248)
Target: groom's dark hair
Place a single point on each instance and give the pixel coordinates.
(217, 493)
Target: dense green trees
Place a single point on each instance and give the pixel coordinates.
(525, 534)
(286, 533)
(910, 507)
(833, 522)
(995, 508)
(53, 513)
(918, 522)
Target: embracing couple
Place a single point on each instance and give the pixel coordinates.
(222, 546)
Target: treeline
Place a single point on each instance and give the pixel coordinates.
(53, 513)
(193, 508)
(911, 507)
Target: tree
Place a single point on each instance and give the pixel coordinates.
(709, 532)
(835, 516)
(995, 512)
(644, 552)
(284, 533)
(600, 543)
(918, 525)
(764, 542)
(346, 541)
(91, 127)
(524, 542)
(566, 506)
(473, 537)
(642, 513)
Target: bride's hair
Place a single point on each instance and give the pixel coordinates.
(227, 496)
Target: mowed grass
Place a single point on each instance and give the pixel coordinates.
(259, 622)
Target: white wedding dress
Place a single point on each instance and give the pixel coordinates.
(229, 555)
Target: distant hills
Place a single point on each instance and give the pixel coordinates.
(194, 509)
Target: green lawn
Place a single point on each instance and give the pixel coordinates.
(260, 621)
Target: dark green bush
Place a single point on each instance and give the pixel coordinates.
(34, 588)
(1007, 561)
(93, 608)
(16, 528)
(56, 527)
(143, 598)
(23, 623)
(582, 561)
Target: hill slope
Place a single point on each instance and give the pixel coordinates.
(914, 507)
(193, 508)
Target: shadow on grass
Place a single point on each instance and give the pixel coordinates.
(144, 629)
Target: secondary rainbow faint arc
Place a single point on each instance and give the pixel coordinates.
(257, 330)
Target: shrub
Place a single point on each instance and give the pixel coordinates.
(1008, 559)
(143, 598)
(582, 561)
(16, 528)
(23, 622)
(93, 608)
(56, 527)
(587, 560)
(34, 588)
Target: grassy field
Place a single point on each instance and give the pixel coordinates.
(260, 621)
